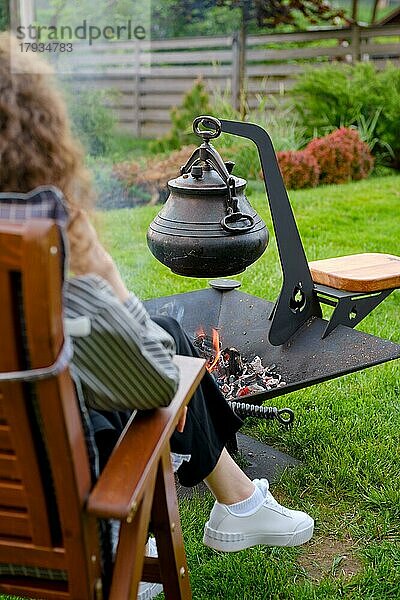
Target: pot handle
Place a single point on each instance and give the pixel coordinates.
(209, 154)
(228, 222)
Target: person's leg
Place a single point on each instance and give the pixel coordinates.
(246, 514)
(210, 421)
(227, 482)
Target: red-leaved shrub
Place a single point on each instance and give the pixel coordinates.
(299, 169)
(341, 156)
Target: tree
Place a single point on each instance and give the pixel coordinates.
(4, 15)
(176, 17)
(271, 13)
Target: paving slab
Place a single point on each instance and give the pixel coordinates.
(257, 460)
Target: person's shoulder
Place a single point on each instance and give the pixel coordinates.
(90, 291)
(88, 283)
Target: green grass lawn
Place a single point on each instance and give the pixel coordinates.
(346, 432)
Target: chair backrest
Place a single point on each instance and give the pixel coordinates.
(48, 545)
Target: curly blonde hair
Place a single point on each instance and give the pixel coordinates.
(36, 143)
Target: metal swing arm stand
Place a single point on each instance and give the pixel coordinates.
(299, 298)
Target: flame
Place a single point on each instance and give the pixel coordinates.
(217, 348)
(200, 332)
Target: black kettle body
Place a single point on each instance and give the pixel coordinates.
(207, 227)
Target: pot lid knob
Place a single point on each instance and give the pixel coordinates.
(197, 171)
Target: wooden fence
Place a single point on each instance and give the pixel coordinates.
(148, 80)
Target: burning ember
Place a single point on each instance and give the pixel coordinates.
(235, 375)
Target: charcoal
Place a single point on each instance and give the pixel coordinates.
(236, 377)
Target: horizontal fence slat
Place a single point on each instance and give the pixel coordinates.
(298, 36)
(187, 57)
(125, 113)
(160, 100)
(379, 31)
(155, 114)
(116, 86)
(200, 42)
(148, 85)
(281, 69)
(380, 49)
(190, 71)
(160, 72)
(112, 46)
(123, 59)
(267, 85)
(297, 53)
(113, 75)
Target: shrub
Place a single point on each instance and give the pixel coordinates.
(342, 96)
(195, 102)
(282, 125)
(341, 156)
(153, 177)
(299, 169)
(92, 122)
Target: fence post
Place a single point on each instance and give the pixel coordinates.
(236, 84)
(136, 90)
(355, 43)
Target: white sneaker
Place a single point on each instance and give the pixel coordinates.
(271, 524)
(147, 591)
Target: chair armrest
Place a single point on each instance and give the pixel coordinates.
(123, 481)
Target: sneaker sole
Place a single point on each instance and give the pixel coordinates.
(233, 542)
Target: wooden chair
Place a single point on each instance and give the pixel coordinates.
(49, 514)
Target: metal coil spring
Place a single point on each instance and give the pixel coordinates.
(243, 409)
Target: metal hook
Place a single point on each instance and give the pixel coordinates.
(207, 121)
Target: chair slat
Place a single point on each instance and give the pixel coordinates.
(22, 552)
(15, 524)
(16, 405)
(9, 467)
(51, 590)
(5, 438)
(12, 494)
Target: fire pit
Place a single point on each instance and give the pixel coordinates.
(295, 347)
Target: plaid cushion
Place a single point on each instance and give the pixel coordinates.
(44, 202)
(36, 572)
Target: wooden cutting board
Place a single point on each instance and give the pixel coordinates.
(368, 272)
